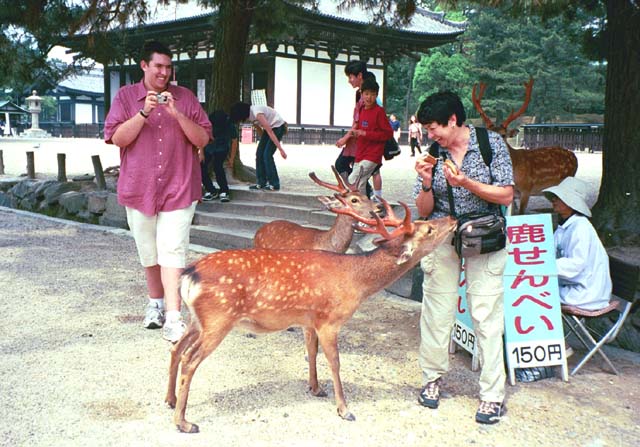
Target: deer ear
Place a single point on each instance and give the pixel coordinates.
(330, 202)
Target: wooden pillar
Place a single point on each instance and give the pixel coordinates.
(97, 168)
(299, 47)
(333, 54)
(31, 168)
(62, 169)
(1, 163)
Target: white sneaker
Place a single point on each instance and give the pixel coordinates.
(173, 330)
(153, 317)
(224, 197)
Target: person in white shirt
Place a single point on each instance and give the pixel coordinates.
(273, 129)
(582, 261)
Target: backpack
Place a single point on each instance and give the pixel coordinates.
(391, 148)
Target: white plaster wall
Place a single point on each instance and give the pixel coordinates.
(345, 98)
(114, 84)
(379, 79)
(84, 114)
(316, 93)
(285, 88)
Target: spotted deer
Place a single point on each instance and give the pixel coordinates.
(267, 290)
(282, 234)
(533, 169)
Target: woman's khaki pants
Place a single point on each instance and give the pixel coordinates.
(485, 301)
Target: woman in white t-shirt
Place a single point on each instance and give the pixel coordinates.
(274, 127)
(415, 135)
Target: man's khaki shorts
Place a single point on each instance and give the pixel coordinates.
(162, 239)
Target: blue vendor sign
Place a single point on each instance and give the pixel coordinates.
(533, 321)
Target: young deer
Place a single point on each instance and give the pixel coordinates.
(282, 234)
(270, 290)
(533, 169)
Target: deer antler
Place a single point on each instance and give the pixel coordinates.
(476, 102)
(341, 187)
(379, 225)
(403, 227)
(528, 86)
(389, 220)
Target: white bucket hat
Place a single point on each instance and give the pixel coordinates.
(572, 192)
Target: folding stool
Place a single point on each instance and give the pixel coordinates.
(624, 278)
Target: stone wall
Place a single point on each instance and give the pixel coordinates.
(78, 200)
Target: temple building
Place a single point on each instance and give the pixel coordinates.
(301, 76)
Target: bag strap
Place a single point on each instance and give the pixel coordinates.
(487, 155)
(434, 151)
(485, 147)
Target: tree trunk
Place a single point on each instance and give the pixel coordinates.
(234, 23)
(617, 212)
(409, 97)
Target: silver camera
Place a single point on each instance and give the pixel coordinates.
(162, 99)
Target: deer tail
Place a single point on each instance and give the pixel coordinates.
(190, 285)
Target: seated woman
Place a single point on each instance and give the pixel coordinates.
(582, 261)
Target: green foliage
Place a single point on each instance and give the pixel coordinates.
(29, 30)
(398, 90)
(503, 51)
(438, 72)
(49, 108)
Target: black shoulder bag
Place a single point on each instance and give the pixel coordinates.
(479, 232)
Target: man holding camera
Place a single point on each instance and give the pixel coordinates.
(159, 128)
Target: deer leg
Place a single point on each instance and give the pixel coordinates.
(176, 354)
(202, 347)
(311, 341)
(524, 200)
(329, 342)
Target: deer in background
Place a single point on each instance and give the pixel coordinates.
(533, 169)
(267, 290)
(282, 234)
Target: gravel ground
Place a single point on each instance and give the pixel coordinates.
(77, 368)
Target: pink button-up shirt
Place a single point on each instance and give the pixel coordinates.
(160, 170)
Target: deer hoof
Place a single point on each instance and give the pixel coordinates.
(318, 393)
(171, 403)
(187, 427)
(348, 416)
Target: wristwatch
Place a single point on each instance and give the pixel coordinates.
(144, 115)
(425, 188)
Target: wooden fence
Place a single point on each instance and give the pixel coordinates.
(577, 137)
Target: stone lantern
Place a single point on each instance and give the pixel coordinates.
(34, 105)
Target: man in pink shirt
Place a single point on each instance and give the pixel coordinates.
(159, 128)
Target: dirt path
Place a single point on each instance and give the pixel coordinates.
(77, 369)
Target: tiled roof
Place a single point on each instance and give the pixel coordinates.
(92, 82)
(8, 106)
(422, 22)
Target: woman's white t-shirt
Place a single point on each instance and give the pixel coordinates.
(272, 117)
